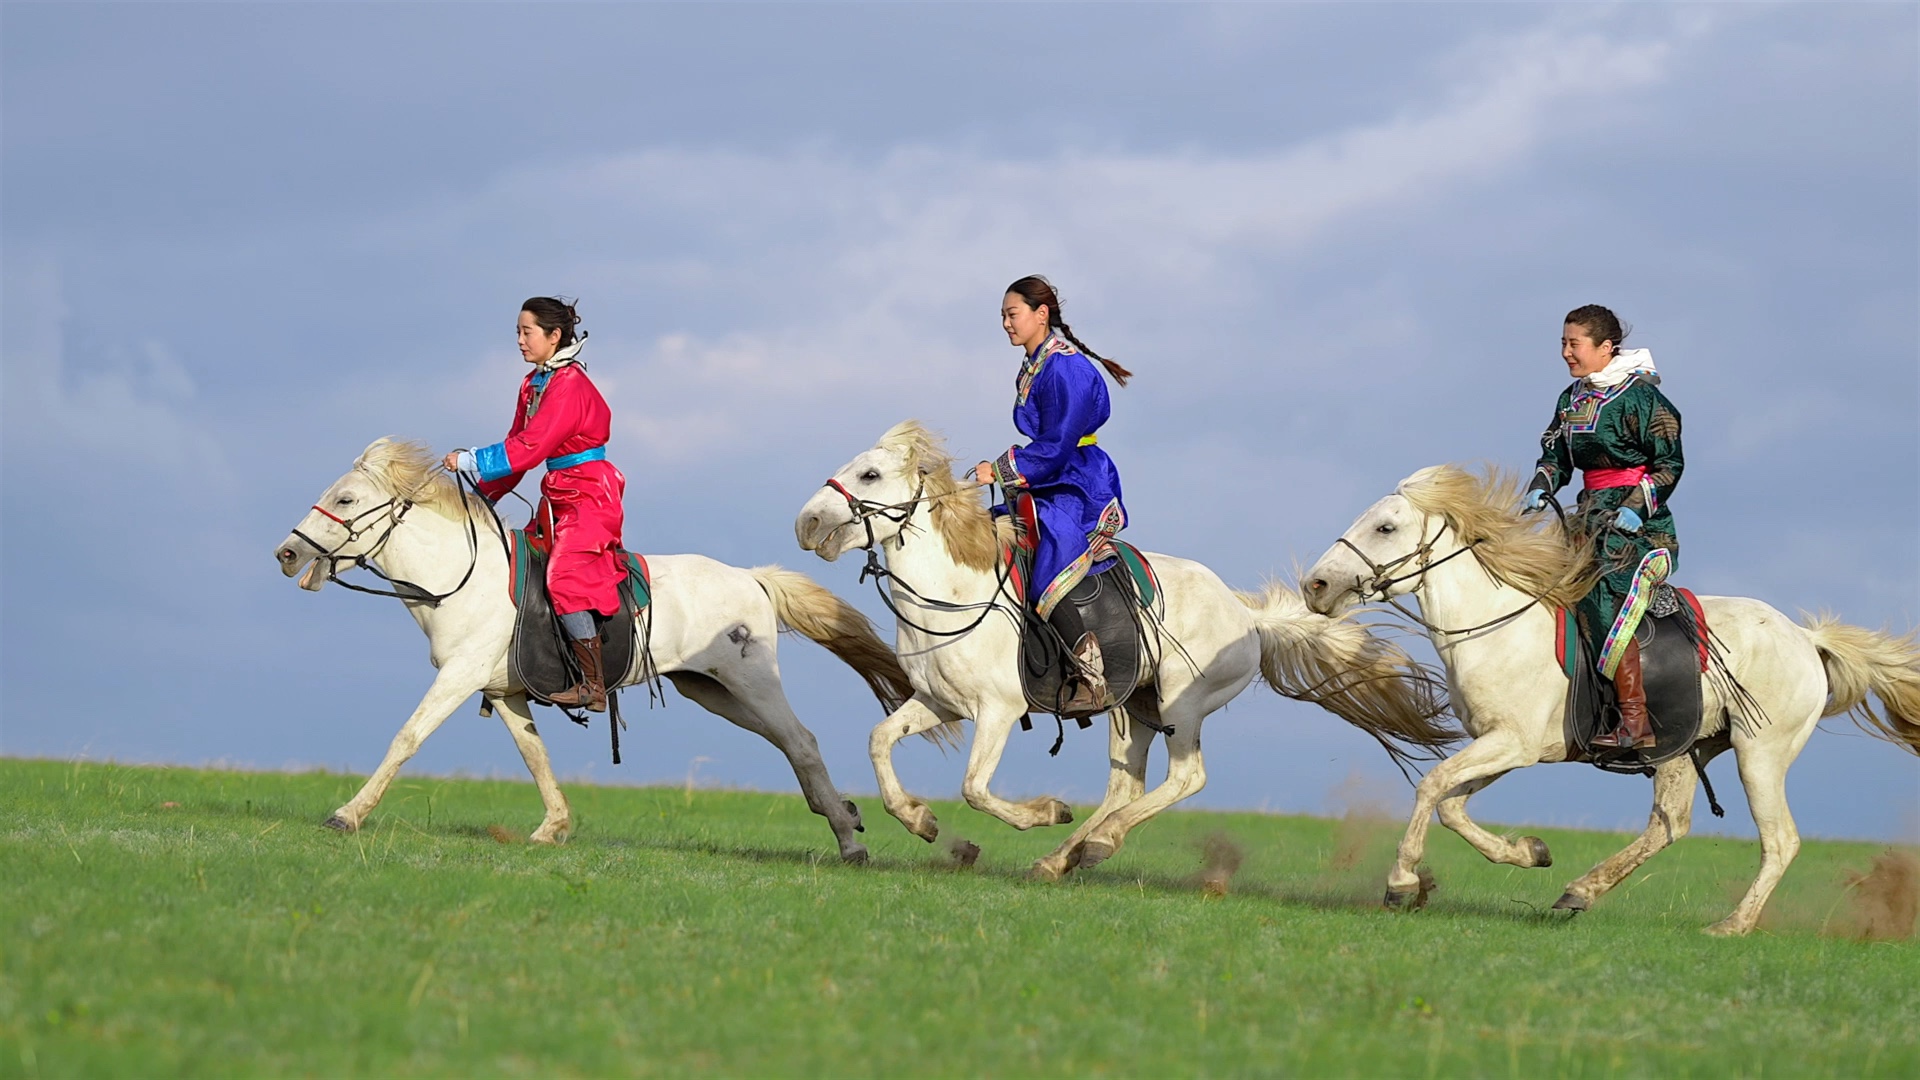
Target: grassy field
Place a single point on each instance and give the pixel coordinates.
(171, 921)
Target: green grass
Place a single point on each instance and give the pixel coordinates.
(711, 932)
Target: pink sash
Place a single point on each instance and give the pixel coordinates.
(1592, 479)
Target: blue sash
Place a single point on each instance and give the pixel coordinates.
(555, 464)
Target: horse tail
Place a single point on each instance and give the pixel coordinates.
(803, 605)
(1339, 665)
(1861, 662)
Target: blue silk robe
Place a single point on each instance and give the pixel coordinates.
(1060, 402)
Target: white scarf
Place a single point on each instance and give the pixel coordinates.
(569, 355)
(1625, 363)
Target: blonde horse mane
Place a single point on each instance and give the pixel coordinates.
(973, 538)
(1534, 555)
(409, 470)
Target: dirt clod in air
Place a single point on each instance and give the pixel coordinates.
(1884, 902)
(1428, 885)
(1221, 857)
(962, 854)
(502, 835)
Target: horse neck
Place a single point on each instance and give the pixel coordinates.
(1458, 594)
(431, 550)
(919, 558)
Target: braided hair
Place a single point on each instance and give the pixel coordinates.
(1036, 290)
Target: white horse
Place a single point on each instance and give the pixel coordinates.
(1509, 690)
(714, 627)
(940, 544)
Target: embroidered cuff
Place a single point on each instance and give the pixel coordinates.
(1006, 472)
(492, 462)
(1541, 482)
(1646, 492)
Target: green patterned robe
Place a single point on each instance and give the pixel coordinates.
(1632, 424)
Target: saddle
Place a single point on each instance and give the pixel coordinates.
(1673, 657)
(539, 659)
(1113, 606)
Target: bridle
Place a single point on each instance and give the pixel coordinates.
(396, 509)
(901, 514)
(1383, 580)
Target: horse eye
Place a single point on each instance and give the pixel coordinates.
(344, 500)
(1384, 529)
(870, 476)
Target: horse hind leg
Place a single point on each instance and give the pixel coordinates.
(1763, 772)
(1670, 819)
(753, 700)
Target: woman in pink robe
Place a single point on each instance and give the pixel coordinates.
(562, 422)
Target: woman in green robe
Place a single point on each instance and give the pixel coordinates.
(1621, 432)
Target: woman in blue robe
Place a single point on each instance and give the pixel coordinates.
(1062, 488)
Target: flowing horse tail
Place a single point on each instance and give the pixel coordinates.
(1337, 664)
(1861, 662)
(803, 605)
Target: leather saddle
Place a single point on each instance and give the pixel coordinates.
(1673, 657)
(1113, 606)
(539, 659)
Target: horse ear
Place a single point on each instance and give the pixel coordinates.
(373, 448)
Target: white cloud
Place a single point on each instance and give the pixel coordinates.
(133, 410)
(864, 285)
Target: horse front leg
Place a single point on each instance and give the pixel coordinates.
(518, 716)
(1128, 742)
(1488, 756)
(454, 684)
(918, 715)
(989, 742)
(1529, 851)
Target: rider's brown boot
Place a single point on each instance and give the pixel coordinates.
(592, 689)
(1090, 678)
(1635, 731)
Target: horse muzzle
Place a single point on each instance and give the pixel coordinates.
(294, 554)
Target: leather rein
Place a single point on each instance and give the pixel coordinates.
(396, 509)
(901, 514)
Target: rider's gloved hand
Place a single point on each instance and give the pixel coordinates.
(1626, 520)
(462, 461)
(1536, 499)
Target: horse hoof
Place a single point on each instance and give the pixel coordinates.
(338, 824)
(1570, 902)
(1538, 849)
(855, 855)
(1395, 900)
(1725, 928)
(854, 812)
(1095, 852)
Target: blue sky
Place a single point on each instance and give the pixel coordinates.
(240, 242)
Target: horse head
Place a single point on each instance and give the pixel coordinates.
(1380, 554)
(869, 500)
(356, 513)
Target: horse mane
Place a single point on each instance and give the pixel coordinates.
(1534, 555)
(409, 470)
(973, 538)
